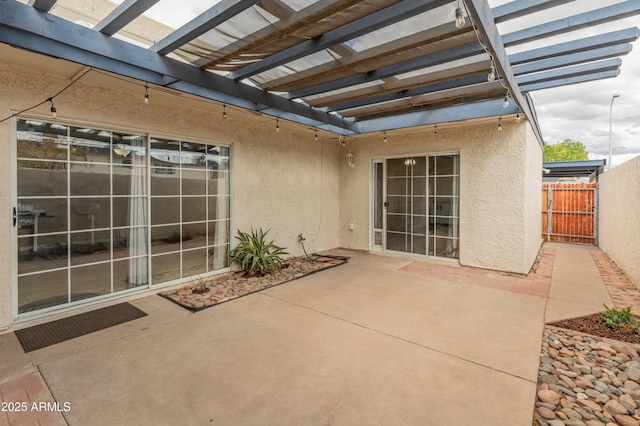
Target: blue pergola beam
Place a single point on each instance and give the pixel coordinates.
(572, 59)
(476, 110)
(516, 9)
(422, 90)
(568, 72)
(122, 15)
(437, 58)
(604, 40)
(570, 80)
(24, 27)
(42, 5)
(481, 15)
(380, 19)
(204, 22)
(583, 20)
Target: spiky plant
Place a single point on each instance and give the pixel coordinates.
(255, 255)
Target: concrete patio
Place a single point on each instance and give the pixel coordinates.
(380, 340)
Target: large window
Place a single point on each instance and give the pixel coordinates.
(100, 211)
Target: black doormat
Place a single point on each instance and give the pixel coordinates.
(43, 335)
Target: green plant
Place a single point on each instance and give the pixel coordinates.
(620, 318)
(201, 285)
(255, 255)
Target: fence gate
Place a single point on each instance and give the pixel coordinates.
(569, 212)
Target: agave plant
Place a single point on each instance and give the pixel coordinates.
(255, 255)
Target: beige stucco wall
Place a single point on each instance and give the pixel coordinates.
(284, 181)
(619, 221)
(500, 175)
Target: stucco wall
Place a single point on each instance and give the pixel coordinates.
(500, 175)
(619, 222)
(284, 181)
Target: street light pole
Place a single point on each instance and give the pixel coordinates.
(610, 116)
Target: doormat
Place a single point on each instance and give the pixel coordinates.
(210, 291)
(43, 335)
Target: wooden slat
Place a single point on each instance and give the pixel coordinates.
(573, 215)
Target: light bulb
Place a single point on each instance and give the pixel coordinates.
(492, 74)
(505, 104)
(224, 112)
(460, 22)
(54, 113)
(277, 125)
(316, 135)
(146, 94)
(518, 118)
(385, 137)
(500, 124)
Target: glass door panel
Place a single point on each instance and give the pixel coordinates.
(406, 204)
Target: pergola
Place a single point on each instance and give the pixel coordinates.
(344, 66)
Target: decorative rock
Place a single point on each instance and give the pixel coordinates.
(546, 413)
(613, 407)
(555, 423)
(572, 414)
(631, 385)
(624, 420)
(574, 422)
(594, 423)
(592, 405)
(633, 373)
(553, 398)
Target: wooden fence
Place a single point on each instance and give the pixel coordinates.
(569, 212)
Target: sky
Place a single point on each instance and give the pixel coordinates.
(581, 111)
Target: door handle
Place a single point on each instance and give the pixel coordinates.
(385, 204)
(15, 216)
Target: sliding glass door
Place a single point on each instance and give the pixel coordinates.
(98, 212)
(416, 205)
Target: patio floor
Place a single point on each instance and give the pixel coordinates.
(380, 340)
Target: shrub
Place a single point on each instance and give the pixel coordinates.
(620, 318)
(255, 255)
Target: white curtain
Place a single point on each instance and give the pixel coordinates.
(221, 213)
(137, 272)
(452, 241)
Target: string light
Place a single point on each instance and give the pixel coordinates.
(54, 113)
(435, 132)
(146, 94)
(224, 111)
(500, 124)
(277, 125)
(505, 104)
(460, 22)
(315, 134)
(385, 136)
(518, 117)
(492, 73)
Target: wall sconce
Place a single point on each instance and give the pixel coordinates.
(350, 162)
(121, 150)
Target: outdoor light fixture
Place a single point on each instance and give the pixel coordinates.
(435, 132)
(460, 22)
(350, 163)
(385, 136)
(316, 134)
(500, 124)
(224, 111)
(518, 117)
(505, 104)
(121, 150)
(146, 94)
(54, 113)
(492, 73)
(277, 125)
